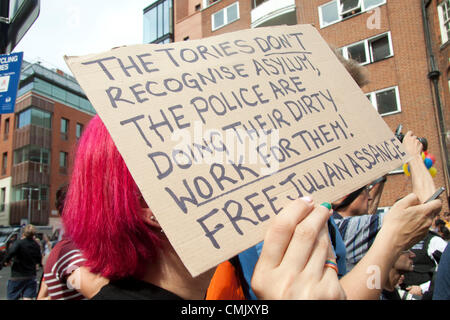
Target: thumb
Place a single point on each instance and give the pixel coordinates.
(408, 201)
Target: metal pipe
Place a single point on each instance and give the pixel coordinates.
(434, 75)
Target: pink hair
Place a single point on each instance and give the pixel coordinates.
(102, 213)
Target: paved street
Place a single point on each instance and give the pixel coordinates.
(4, 276)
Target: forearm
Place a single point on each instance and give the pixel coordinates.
(366, 280)
(422, 181)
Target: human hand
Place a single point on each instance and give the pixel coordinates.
(412, 145)
(292, 261)
(403, 264)
(408, 221)
(415, 290)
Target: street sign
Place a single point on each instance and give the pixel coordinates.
(10, 65)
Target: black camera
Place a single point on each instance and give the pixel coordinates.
(400, 136)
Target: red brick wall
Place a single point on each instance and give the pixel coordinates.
(74, 116)
(243, 22)
(407, 69)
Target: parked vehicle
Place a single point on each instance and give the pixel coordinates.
(7, 237)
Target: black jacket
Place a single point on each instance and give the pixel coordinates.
(26, 254)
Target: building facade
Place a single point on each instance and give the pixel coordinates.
(37, 143)
(403, 44)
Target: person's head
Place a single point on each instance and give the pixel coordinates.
(403, 265)
(444, 233)
(447, 216)
(103, 212)
(438, 222)
(29, 231)
(60, 198)
(358, 72)
(354, 204)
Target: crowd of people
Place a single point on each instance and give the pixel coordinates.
(114, 248)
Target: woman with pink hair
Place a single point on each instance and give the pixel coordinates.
(108, 220)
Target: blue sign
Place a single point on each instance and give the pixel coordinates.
(10, 65)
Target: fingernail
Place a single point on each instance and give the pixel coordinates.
(326, 205)
(307, 199)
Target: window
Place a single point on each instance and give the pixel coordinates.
(63, 159)
(358, 52)
(158, 22)
(257, 3)
(63, 162)
(6, 130)
(380, 48)
(207, 3)
(329, 13)
(21, 192)
(79, 130)
(225, 16)
(386, 101)
(2, 199)
(350, 7)
(34, 116)
(4, 162)
(370, 50)
(338, 10)
(444, 20)
(64, 129)
(33, 154)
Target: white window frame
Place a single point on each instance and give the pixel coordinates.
(373, 100)
(225, 16)
(442, 21)
(341, 7)
(340, 13)
(368, 48)
(207, 3)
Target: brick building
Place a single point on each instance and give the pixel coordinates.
(37, 144)
(403, 44)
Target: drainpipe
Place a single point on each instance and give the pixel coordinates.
(434, 75)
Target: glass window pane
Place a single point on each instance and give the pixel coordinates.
(59, 93)
(35, 154)
(380, 48)
(160, 20)
(43, 86)
(64, 125)
(358, 52)
(150, 26)
(166, 17)
(79, 130)
(47, 120)
(349, 4)
(372, 3)
(218, 19)
(36, 117)
(386, 101)
(24, 118)
(330, 13)
(232, 13)
(62, 159)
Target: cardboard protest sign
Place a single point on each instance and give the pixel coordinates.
(220, 133)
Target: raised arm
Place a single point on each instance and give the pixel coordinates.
(405, 224)
(422, 181)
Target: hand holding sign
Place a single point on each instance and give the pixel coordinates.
(220, 133)
(296, 246)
